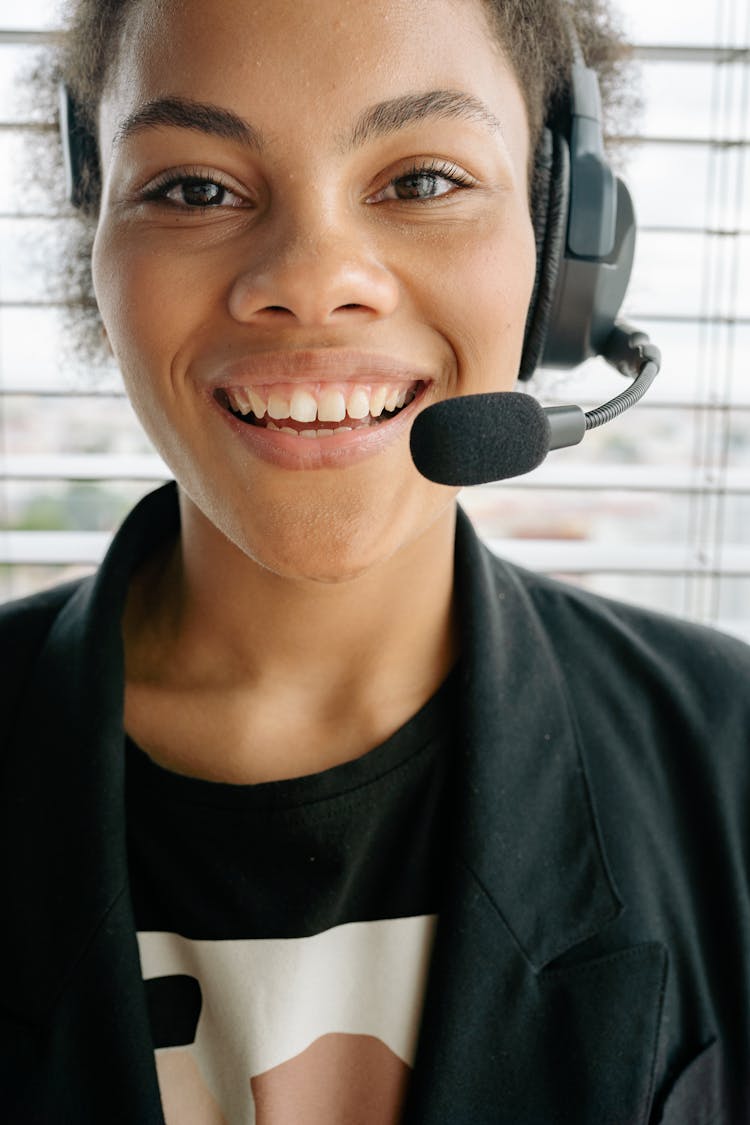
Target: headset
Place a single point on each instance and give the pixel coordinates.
(80, 152)
(584, 229)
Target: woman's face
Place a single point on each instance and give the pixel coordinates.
(316, 212)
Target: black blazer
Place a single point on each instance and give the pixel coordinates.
(592, 963)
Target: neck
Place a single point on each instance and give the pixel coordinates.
(327, 670)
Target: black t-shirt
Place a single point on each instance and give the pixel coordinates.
(285, 929)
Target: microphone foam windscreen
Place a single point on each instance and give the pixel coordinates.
(476, 439)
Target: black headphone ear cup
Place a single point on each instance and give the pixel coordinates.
(80, 154)
(550, 205)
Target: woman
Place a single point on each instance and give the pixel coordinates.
(301, 714)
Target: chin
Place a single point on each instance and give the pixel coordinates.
(334, 560)
(329, 537)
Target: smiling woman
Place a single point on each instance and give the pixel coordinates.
(361, 234)
(337, 817)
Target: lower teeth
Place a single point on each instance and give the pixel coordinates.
(268, 424)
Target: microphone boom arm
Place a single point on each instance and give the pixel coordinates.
(631, 352)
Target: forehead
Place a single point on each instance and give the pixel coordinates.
(274, 25)
(334, 56)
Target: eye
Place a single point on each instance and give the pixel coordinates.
(424, 181)
(193, 192)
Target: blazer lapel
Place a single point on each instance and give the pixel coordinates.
(507, 1036)
(504, 1044)
(71, 939)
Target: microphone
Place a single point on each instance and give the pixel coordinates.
(476, 439)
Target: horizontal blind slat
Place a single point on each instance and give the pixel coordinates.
(563, 557)
(83, 466)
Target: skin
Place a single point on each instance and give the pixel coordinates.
(320, 594)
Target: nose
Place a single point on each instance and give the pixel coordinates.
(313, 279)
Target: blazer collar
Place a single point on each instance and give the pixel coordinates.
(524, 819)
(65, 829)
(526, 826)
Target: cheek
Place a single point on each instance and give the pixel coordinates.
(149, 309)
(150, 301)
(478, 289)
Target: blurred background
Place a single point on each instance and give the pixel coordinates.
(653, 508)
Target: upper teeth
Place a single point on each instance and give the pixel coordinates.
(322, 403)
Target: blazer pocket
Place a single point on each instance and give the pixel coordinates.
(695, 1097)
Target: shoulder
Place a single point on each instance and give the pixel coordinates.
(24, 624)
(661, 711)
(594, 630)
(28, 617)
(635, 677)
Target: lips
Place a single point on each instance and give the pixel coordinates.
(276, 403)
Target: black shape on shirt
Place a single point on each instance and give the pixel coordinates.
(174, 1007)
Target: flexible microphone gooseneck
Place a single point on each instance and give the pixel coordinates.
(476, 439)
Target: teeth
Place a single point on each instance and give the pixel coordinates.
(331, 406)
(257, 403)
(278, 406)
(358, 405)
(238, 400)
(377, 400)
(391, 399)
(310, 433)
(244, 402)
(303, 406)
(324, 403)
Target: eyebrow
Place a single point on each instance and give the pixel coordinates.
(376, 121)
(390, 116)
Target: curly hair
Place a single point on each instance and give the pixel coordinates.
(533, 36)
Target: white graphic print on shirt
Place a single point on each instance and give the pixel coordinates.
(319, 1029)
